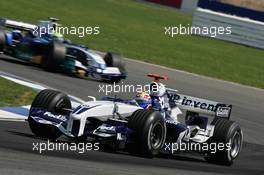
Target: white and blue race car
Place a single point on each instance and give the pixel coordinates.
(54, 53)
(125, 125)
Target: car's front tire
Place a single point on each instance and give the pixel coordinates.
(52, 101)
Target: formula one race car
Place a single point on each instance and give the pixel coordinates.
(40, 44)
(126, 125)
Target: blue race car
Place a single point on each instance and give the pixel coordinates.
(54, 53)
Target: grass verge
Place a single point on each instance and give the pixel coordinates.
(136, 29)
(12, 94)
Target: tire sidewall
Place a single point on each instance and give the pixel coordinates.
(150, 146)
(225, 131)
(232, 131)
(154, 119)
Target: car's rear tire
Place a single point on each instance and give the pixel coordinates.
(55, 57)
(52, 101)
(114, 60)
(2, 40)
(150, 132)
(226, 132)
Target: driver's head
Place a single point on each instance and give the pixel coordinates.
(58, 36)
(157, 89)
(143, 99)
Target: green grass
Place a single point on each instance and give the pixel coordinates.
(12, 94)
(136, 30)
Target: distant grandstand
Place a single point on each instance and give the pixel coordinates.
(190, 5)
(246, 17)
(251, 4)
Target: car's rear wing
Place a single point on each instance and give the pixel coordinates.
(199, 105)
(17, 25)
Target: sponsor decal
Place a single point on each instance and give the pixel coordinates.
(107, 128)
(192, 102)
(59, 117)
(82, 108)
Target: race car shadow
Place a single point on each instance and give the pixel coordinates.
(181, 158)
(13, 60)
(160, 156)
(107, 150)
(32, 136)
(249, 161)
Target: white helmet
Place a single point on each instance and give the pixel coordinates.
(157, 89)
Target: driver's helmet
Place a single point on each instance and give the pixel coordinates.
(17, 34)
(58, 36)
(143, 99)
(157, 89)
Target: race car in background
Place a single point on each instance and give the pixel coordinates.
(54, 53)
(124, 125)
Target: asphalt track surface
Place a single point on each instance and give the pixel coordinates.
(17, 157)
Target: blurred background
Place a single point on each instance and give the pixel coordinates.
(135, 28)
